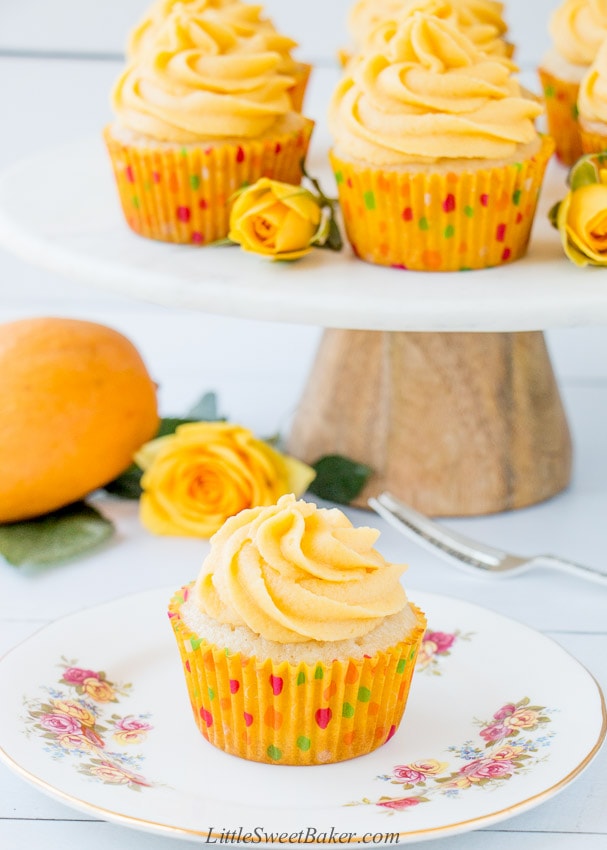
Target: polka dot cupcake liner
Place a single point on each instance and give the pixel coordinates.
(593, 142)
(298, 714)
(182, 194)
(560, 98)
(298, 91)
(452, 221)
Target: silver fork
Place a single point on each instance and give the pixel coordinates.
(469, 554)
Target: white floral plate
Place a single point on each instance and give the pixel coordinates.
(94, 712)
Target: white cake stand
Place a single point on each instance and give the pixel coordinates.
(452, 420)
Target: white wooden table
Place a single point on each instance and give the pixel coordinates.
(50, 99)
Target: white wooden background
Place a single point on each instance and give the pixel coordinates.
(58, 59)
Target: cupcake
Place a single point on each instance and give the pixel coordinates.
(577, 27)
(481, 20)
(196, 119)
(592, 105)
(297, 639)
(436, 156)
(258, 34)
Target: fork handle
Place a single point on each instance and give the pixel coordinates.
(579, 570)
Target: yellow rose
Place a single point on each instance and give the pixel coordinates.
(581, 217)
(125, 736)
(277, 220)
(524, 718)
(431, 767)
(207, 472)
(99, 690)
(109, 773)
(74, 741)
(507, 753)
(74, 709)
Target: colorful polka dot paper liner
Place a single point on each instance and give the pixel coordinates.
(593, 142)
(298, 91)
(440, 222)
(282, 713)
(183, 195)
(560, 98)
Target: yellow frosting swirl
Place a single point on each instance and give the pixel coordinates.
(198, 83)
(294, 573)
(485, 34)
(365, 15)
(592, 99)
(578, 27)
(144, 34)
(430, 95)
(255, 33)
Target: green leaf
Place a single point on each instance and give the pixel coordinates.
(225, 242)
(170, 424)
(339, 479)
(334, 241)
(583, 173)
(56, 537)
(205, 410)
(127, 485)
(553, 214)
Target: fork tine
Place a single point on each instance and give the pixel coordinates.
(435, 537)
(466, 553)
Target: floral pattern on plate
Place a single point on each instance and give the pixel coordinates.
(76, 720)
(436, 646)
(506, 749)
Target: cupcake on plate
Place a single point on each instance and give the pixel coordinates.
(592, 105)
(258, 33)
(482, 20)
(297, 639)
(436, 156)
(197, 117)
(577, 28)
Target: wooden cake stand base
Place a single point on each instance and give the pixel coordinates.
(455, 424)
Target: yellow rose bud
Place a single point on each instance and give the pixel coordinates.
(582, 223)
(207, 472)
(275, 219)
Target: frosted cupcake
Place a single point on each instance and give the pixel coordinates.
(257, 32)
(196, 119)
(297, 639)
(577, 27)
(436, 156)
(482, 20)
(592, 105)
